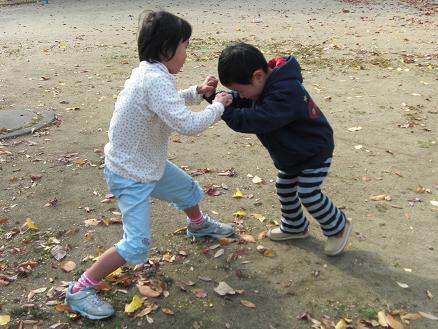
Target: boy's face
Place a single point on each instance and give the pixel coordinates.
(254, 89)
(175, 64)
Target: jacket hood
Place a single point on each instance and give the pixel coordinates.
(285, 68)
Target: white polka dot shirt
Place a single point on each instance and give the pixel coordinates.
(147, 111)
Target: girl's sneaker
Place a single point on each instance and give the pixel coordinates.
(87, 304)
(210, 228)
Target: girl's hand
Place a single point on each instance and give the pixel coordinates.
(224, 98)
(208, 87)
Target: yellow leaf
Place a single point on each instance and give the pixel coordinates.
(30, 224)
(134, 305)
(117, 272)
(239, 214)
(260, 217)
(268, 253)
(238, 194)
(341, 324)
(4, 319)
(381, 316)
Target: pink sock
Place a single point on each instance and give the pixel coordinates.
(197, 220)
(85, 281)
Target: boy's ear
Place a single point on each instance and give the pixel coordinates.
(258, 75)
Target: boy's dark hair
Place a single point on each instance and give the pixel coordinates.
(160, 34)
(238, 62)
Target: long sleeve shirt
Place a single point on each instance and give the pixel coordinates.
(147, 111)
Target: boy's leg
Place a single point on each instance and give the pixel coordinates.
(332, 220)
(178, 187)
(294, 224)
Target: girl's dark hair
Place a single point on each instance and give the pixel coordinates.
(238, 62)
(160, 34)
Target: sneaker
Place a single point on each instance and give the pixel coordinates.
(336, 244)
(276, 234)
(210, 228)
(86, 303)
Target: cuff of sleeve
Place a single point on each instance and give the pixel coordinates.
(197, 97)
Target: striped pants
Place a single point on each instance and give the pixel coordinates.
(303, 189)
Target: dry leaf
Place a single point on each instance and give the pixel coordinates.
(247, 238)
(381, 316)
(58, 252)
(428, 316)
(381, 197)
(225, 241)
(134, 305)
(224, 289)
(434, 203)
(429, 294)
(410, 317)
(260, 217)
(237, 194)
(393, 323)
(148, 291)
(200, 293)
(4, 319)
(341, 324)
(402, 285)
(257, 180)
(219, 253)
(68, 266)
(150, 307)
(29, 224)
(167, 311)
(247, 303)
(354, 128)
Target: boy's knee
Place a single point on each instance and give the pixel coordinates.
(134, 251)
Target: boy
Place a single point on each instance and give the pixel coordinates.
(270, 101)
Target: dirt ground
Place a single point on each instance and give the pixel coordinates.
(371, 66)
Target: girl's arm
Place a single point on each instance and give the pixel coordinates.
(163, 99)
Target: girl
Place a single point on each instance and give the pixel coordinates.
(147, 110)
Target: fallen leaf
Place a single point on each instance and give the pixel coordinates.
(260, 217)
(225, 241)
(428, 316)
(224, 289)
(68, 266)
(434, 203)
(238, 194)
(58, 252)
(393, 323)
(239, 214)
(148, 291)
(30, 224)
(381, 197)
(247, 303)
(429, 294)
(247, 238)
(167, 311)
(134, 305)
(354, 128)
(381, 317)
(402, 285)
(150, 307)
(410, 317)
(219, 253)
(200, 293)
(341, 324)
(257, 180)
(39, 290)
(4, 319)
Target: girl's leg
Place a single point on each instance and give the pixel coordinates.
(331, 219)
(293, 220)
(179, 188)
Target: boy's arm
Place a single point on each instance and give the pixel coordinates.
(283, 105)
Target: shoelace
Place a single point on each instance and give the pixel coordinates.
(95, 300)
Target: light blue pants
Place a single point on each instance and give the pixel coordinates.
(175, 186)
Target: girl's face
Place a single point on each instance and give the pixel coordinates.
(175, 64)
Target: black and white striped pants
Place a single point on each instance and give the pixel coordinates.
(305, 189)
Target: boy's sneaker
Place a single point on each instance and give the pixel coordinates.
(276, 234)
(337, 243)
(87, 304)
(210, 228)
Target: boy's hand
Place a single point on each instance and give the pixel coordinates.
(208, 87)
(224, 98)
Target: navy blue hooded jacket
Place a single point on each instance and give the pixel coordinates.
(285, 119)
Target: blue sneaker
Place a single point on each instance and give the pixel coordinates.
(210, 228)
(86, 303)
